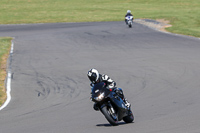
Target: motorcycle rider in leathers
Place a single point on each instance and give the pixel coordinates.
(95, 77)
(128, 14)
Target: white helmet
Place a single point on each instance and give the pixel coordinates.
(128, 11)
(93, 75)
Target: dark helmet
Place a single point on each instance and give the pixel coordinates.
(93, 75)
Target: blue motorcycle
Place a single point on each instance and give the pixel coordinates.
(111, 105)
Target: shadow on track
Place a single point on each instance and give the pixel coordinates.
(109, 125)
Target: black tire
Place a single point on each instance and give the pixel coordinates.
(130, 25)
(110, 117)
(129, 118)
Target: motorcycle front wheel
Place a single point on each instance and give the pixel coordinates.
(110, 115)
(129, 118)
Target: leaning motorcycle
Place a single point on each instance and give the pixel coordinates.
(111, 105)
(129, 21)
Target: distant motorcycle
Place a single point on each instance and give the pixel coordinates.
(129, 21)
(111, 105)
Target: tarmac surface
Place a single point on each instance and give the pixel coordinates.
(159, 73)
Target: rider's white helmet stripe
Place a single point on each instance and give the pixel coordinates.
(97, 73)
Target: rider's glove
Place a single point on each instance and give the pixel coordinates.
(111, 86)
(91, 84)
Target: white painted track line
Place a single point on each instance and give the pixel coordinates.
(8, 83)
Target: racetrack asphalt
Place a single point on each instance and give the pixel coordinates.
(159, 73)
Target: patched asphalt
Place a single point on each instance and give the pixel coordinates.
(159, 73)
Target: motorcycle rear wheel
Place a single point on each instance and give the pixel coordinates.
(111, 117)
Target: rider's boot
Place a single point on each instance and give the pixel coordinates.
(127, 104)
(121, 94)
(126, 22)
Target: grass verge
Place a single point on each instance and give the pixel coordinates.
(182, 14)
(5, 44)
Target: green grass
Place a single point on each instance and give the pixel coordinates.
(5, 44)
(184, 15)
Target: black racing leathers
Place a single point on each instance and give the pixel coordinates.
(104, 78)
(128, 14)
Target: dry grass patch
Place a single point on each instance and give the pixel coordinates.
(5, 44)
(167, 22)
